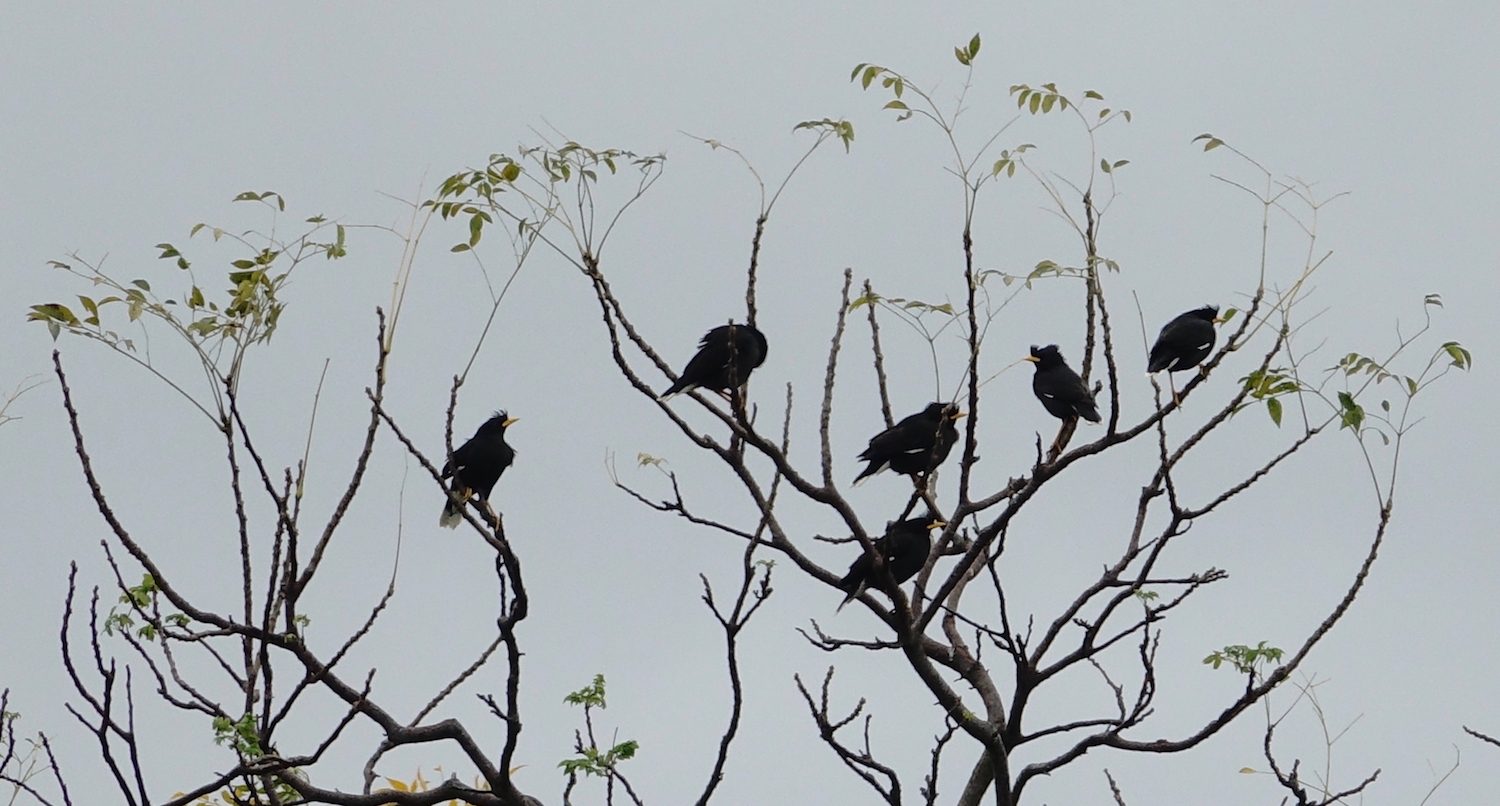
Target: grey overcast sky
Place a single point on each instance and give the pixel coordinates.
(122, 125)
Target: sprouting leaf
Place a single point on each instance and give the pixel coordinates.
(1211, 143)
(962, 56)
(1104, 166)
(974, 46)
(1351, 414)
(1433, 299)
(1461, 357)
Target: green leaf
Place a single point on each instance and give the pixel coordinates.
(1461, 357)
(895, 105)
(1104, 166)
(963, 57)
(1433, 299)
(1351, 414)
(591, 695)
(1273, 407)
(141, 284)
(1091, 94)
(1036, 102)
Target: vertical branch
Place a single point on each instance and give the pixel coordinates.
(833, 356)
(970, 443)
(751, 274)
(885, 396)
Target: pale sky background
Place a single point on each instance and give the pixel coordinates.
(122, 125)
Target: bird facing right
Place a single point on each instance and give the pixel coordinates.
(726, 355)
(1185, 341)
(916, 445)
(904, 547)
(1061, 391)
(477, 465)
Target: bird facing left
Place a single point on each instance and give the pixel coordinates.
(477, 465)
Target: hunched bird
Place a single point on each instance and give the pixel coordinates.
(916, 445)
(726, 356)
(477, 465)
(1185, 341)
(904, 547)
(1059, 387)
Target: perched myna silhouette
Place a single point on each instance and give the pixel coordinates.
(726, 356)
(1059, 387)
(477, 465)
(1184, 342)
(916, 445)
(904, 547)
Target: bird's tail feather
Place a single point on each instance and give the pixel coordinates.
(451, 518)
(851, 597)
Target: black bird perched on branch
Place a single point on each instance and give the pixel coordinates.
(916, 445)
(904, 547)
(1184, 342)
(477, 465)
(726, 356)
(1059, 387)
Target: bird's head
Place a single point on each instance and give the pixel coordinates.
(1208, 313)
(497, 423)
(1044, 357)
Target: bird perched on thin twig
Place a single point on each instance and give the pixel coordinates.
(1184, 342)
(904, 548)
(726, 356)
(916, 445)
(477, 465)
(1059, 387)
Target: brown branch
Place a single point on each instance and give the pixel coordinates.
(859, 761)
(879, 355)
(825, 415)
(1482, 737)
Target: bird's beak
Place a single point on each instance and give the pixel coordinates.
(938, 524)
(510, 421)
(1033, 359)
(959, 415)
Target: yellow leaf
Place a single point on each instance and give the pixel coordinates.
(1247, 770)
(397, 785)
